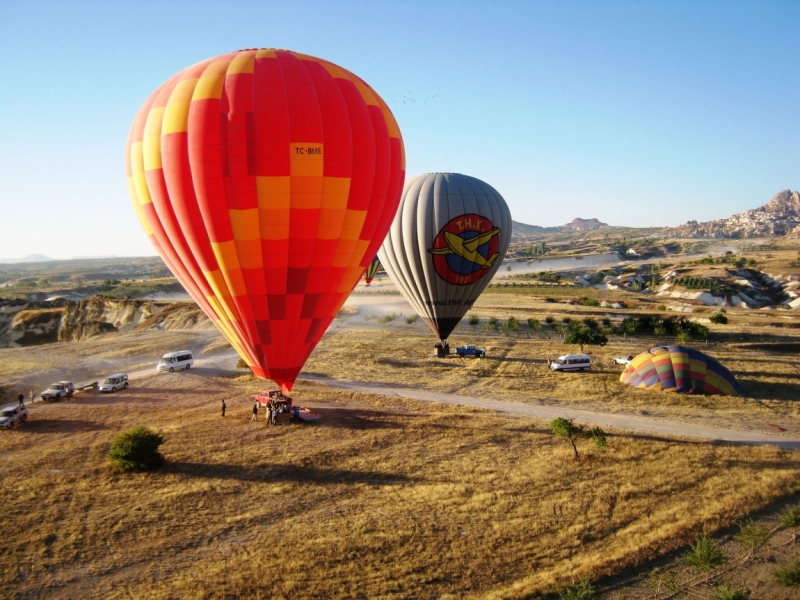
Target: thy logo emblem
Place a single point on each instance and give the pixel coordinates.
(465, 249)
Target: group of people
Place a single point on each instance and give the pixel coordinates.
(277, 404)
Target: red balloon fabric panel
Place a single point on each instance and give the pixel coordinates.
(266, 179)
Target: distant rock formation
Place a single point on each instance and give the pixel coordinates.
(780, 216)
(585, 225)
(523, 229)
(28, 259)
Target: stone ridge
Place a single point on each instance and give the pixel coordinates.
(780, 216)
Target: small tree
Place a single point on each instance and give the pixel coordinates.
(136, 450)
(534, 324)
(585, 336)
(790, 518)
(473, 320)
(566, 429)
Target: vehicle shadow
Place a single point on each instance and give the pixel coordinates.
(287, 473)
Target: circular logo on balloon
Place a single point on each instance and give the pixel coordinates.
(465, 249)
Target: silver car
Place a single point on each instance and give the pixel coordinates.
(114, 383)
(11, 417)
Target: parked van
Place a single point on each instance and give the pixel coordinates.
(572, 362)
(175, 361)
(114, 383)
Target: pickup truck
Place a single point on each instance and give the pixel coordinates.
(10, 417)
(470, 350)
(58, 391)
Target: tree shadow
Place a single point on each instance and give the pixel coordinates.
(60, 426)
(285, 473)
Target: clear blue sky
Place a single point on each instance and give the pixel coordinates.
(637, 113)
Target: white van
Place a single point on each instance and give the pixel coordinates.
(174, 361)
(572, 362)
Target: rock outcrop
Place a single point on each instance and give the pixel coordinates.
(778, 217)
(31, 323)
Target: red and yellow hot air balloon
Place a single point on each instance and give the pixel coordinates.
(266, 180)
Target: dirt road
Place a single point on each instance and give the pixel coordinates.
(548, 412)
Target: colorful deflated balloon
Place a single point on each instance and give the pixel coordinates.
(372, 270)
(682, 370)
(266, 180)
(446, 242)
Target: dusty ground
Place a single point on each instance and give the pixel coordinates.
(384, 498)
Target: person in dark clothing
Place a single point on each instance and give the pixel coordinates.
(223, 408)
(21, 399)
(255, 412)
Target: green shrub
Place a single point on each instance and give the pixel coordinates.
(583, 591)
(705, 554)
(719, 318)
(729, 592)
(136, 450)
(387, 319)
(242, 364)
(512, 324)
(590, 302)
(534, 324)
(752, 535)
(789, 575)
(549, 320)
(473, 320)
(790, 518)
(412, 319)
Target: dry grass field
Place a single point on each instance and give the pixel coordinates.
(383, 498)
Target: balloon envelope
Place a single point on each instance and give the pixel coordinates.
(680, 369)
(447, 240)
(372, 270)
(266, 180)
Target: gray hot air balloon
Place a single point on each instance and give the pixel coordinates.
(447, 240)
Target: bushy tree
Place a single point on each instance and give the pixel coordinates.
(136, 450)
(719, 318)
(585, 336)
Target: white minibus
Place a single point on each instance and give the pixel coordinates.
(572, 362)
(174, 361)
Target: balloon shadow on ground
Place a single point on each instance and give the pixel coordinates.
(769, 390)
(285, 473)
(358, 419)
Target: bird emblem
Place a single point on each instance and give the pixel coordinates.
(468, 248)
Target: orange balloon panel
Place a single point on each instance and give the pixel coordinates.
(266, 180)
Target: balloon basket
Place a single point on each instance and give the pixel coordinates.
(281, 410)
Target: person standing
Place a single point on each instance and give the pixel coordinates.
(21, 399)
(32, 395)
(223, 407)
(255, 413)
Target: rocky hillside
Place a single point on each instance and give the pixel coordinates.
(778, 217)
(30, 323)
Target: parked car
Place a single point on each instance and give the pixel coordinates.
(58, 391)
(622, 360)
(571, 362)
(470, 350)
(11, 417)
(114, 383)
(175, 361)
